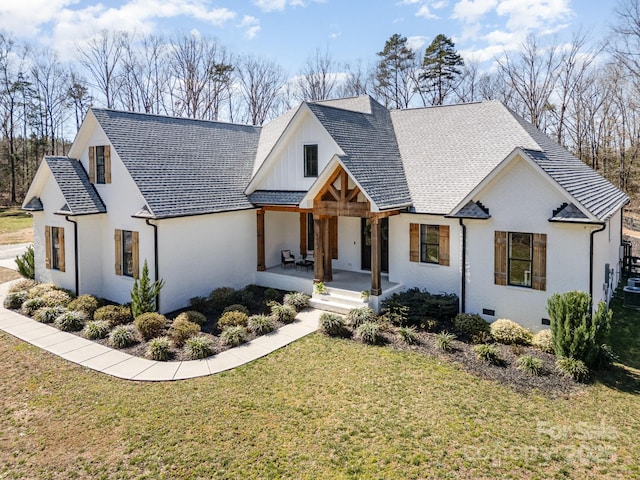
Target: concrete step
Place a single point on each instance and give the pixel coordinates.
(337, 301)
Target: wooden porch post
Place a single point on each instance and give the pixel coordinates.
(318, 265)
(326, 250)
(376, 256)
(303, 234)
(260, 233)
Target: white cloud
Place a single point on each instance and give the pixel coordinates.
(279, 5)
(251, 26)
(425, 12)
(529, 14)
(24, 18)
(416, 42)
(471, 10)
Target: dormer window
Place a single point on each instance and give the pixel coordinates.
(100, 164)
(311, 160)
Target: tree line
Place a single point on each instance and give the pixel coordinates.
(583, 94)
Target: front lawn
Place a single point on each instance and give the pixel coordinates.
(16, 226)
(319, 408)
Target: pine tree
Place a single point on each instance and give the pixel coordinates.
(441, 67)
(394, 72)
(144, 293)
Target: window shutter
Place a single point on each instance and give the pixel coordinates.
(118, 242)
(414, 242)
(539, 280)
(333, 237)
(444, 245)
(61, 265)
(135, 254)
(107, 164)
(92, 164)
(500, 258)
(47, 243)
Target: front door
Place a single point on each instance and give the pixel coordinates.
(365, 242)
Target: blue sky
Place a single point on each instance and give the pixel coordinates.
(288, 31)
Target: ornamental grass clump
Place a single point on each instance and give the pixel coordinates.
(487, 352)
(261, 324)
(369, 333)
(193, 316)
(114, 314)
(234, 336)
(283, 313)
(48, 314)
(40, 289)
(122, 336)
(332, 324)
(95, 329)
(407, 335)
(14, 300)
(543, 340)
(573, 368)
(509, 332)
(297, 300)
(158, 349)
(30, 305)
(233, 319)
(199, 347)
(531, 365)
(71, 321)
(85, 303)
(24, 284)
(357, 316)
(182, 329)
(150, 324)
(444, 341)
(56, 298)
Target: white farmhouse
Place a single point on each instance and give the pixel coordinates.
(467, 199)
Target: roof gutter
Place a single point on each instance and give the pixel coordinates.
(593, 232)
(75, 253)
(155, 258)
(463, 284)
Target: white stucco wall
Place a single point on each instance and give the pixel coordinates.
(349, 244)
(606, 250)
(281, 232)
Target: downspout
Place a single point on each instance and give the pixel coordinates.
(464, 266)
(155, 258)
(593, 232)
(75, 252)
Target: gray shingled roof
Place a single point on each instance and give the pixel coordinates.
(472, 210)
(568, 212)
(371, 151)
(276, 197)
(182, 166)
(34, 205)
(79, 194)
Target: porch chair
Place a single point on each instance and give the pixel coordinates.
(286, 258)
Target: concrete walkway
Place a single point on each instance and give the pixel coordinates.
(8, 254)
(119, 364)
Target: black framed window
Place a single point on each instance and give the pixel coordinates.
(429, 243)
(127, 253)
(311, 160)
(55, 248)
(520, 259)
(100, 165)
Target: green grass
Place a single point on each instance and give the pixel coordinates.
(319, 408)
(13, 219)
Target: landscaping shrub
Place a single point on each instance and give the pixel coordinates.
(70, 321)
(150, 324)
(332, 324)
(531, 365)
(199, 304)
(236, 307)
(510, 333)
(283, 313)
(85, 303)
(233, 319)
(444, 341)
(144, 293)
(40, 289)
(24, 284)
(357, 316)
(56, 298)
(122, 336)
(297, 300)
(221, 297)
(422, 304)
(487, 352)
(407, 335)
(470, 324)
(369, 332)
(429, 324)
(543, 341)
(573, 368)
(30, 305)
(576, 332)
(26, 263)
(234, 336)
(48, 314)
(272, 295)
(96, 329)
(14, 300)
(114, 314)
(261, 324)
(182, 329)
(193, 316)
(158, 349)
(196, 348)
(395, 315)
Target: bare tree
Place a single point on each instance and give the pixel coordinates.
(468, 88)
(357, 81)
(626, 47)
(260, 82)
(317, 79)
(78, 93)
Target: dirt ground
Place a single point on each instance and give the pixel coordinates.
(7, 275)
(19, 236)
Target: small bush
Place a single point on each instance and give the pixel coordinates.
(26, 263)
(233, 319)
(221, 297)
(272, 295)
(429, 324)
(421, 304)
(196, 348)
(531, 365)
(510, 333)
(573, 368)
(261, 324)
(114, 314)
(283, 313)
(357, 316)
(234, 336)
(543, 341)
(236, 307)
(56, 298)
(369, 332)
(71, 321)
(14, 300)
(30, 305)
(182, 329)
(40, 289)
(395, 315)
(24, 284)
(444, 341)
(297, 300)
(158, 349)
(470, 324)
(150, 324)
(85, 303)
(48, 314)
(407, 335)
(487, 352)
(96, 329)
(199, 304)
(193, 316)
(332, 324)
(122, 336)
